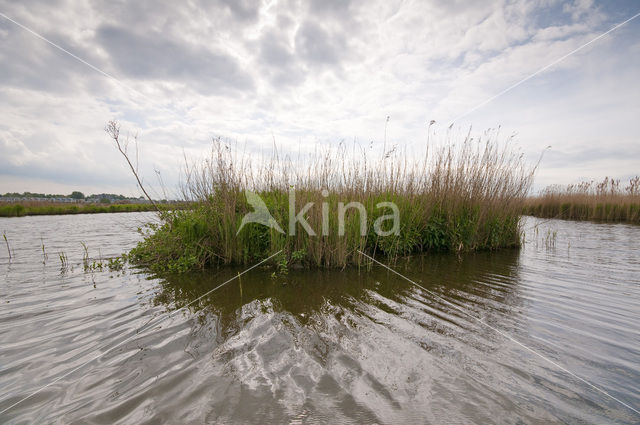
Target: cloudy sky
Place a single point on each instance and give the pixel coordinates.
(308, 74)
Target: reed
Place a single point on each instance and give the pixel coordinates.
(64, 262)
(85, 256)
(6, 241)
(459, 197)
(603, 201)
(45, 256)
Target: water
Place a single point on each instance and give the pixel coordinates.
(325, 346)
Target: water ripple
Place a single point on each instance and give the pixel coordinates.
(322, 347)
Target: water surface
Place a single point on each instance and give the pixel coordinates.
(351, 346)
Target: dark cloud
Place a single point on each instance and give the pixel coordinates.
(244, 10)
(291, 53)
(177, 17)
(150, 56)
(275, 50)
(317, 46)
(330, 7)
(31, 63)
(285, 22)
(278, 60)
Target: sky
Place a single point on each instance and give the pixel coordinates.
(309, 74)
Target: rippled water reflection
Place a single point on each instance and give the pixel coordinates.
(348, 346)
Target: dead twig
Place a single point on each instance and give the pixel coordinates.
(113, 130)
(6, 241)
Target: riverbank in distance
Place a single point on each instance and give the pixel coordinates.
(48, 208)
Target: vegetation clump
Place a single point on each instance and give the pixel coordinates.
(460, 197)
(46, 208)
(604, 201)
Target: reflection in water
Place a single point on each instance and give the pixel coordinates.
(350, 345)
(340, 346)
(304, 294)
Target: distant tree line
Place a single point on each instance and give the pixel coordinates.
(73, 195)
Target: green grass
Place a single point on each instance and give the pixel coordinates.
(19, 210)
(458, 198)
(194, 239)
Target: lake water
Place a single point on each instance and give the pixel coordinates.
(352, 346)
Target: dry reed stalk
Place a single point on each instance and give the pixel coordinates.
(589, 200)
(460, 196)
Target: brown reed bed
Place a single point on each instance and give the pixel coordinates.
(607, 200)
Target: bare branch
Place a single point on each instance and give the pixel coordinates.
(113, 130)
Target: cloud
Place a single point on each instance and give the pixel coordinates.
(150, 56)
(243, 10)
(308, 73)
(339, 8)
(278, 59)
(317, 46)
(30, 63)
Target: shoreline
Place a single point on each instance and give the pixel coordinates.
(20, 210)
